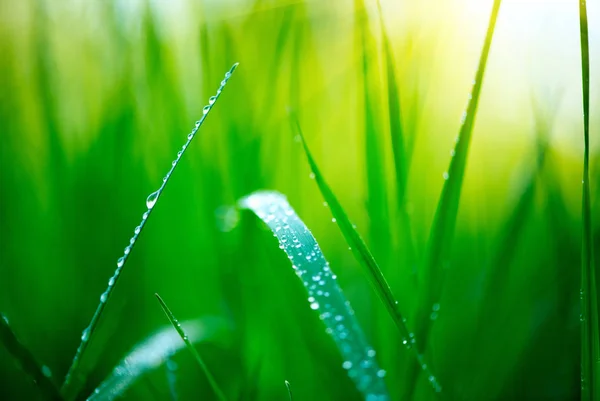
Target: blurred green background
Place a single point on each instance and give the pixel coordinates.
(97, 97)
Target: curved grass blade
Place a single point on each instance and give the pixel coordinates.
(325, 296)
(75, 377)
(366, 260)
(590, 375)
(150, 354)
(27, 361)
(440, 240)
(186, 339)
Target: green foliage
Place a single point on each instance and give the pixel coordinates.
(97, 98)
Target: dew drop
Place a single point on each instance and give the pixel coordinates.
(212, 100)
(127, 250)
(111, 281)
(121, 261)
(347, 365)
(103, 297)
(381, 373)
(371, 353)
(311, 176)
(85, 334)
(137, 230)
(190, 136)
(446, 175)
(46, 371)
(145, 215)
(314, 306)
(333, 219)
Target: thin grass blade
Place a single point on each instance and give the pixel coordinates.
(325, 296)
(27, 362)
(190, 346)
(75, 377)
(432, 275)
(590, 372)
(367, 261)
(151, 354)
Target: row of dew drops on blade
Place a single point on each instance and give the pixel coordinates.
(324, 294)
(153, 197)
(409, 342)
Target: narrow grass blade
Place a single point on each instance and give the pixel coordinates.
(75, 378)
(152, 353)
(365, 258)
(440, 240)
(325, 296)
(377, 204)
(289, 389)
(590, 379)
(188, 343)
(27, 361)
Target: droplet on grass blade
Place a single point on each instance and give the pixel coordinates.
(328, 300)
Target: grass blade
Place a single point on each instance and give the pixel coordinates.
(188, 343)
(75, 378)
(27, 361)
(151, 354)
(324, 293)
(431, 277)
(366, 259)
(589, 298)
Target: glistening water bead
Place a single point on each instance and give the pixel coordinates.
(150, 203)
(324, 294)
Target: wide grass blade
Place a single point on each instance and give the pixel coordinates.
(152, 353)
(75, 377)
(325, 296)
(590, 372)
(26, 360)
(186, 339)
(431, 277)
(365, 258)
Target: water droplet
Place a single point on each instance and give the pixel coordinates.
(347, 365)
(333, 219)
(85, 334)
(325, 204)
(314, 306)
(120, 261)
(104, 297)
(381, 373)
(46, 371)
(111, 281)
(311, 176)
(174, 163)
(206, 109)
(127, 250)
(212, 100)
(137, 230)
(435, 307)
(446, 175)
(371, 353)
(452, 153)
(145, 215)
(190, 136)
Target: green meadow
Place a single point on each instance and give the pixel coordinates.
(384, 200)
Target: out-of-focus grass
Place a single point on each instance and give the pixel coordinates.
(96, 97)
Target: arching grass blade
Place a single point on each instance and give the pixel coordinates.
(188, 343)
(325, 296)
(152, 353)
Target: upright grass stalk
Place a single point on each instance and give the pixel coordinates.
(191, 348)
(431, 277)
(589, 298)
(324, 294)
(366, 260)
(440, 241)
(75, 377)
(28, 363)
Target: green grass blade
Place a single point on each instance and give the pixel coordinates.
(188, 343)
(440, 240)
(27, 361)
(75, 377)
(150, 354)
(589, 299)
(365, 258)
(325, 296)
